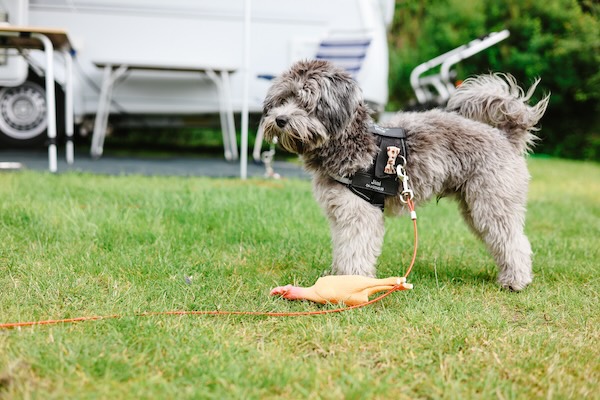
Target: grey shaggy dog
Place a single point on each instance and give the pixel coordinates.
(474, 154)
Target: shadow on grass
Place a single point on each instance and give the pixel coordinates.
(432, 272)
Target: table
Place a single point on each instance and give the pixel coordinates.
(113, 71)
(47, 40)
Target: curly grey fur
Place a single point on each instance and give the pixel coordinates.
(497, 100)
(473, 154)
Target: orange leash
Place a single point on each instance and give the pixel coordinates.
(413, 216)
(411, 207)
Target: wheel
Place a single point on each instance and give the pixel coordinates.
(23, 114)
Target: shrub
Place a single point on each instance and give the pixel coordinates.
(557, 40)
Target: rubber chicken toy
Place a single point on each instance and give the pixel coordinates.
(348, 289)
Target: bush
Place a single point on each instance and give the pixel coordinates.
(557, 40)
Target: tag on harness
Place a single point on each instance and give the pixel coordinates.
(367, 180)
(382, 157)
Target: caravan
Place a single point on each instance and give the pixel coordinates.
(179, 33)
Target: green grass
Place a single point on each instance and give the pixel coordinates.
(79, 245)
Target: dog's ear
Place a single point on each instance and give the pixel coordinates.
(340, 97)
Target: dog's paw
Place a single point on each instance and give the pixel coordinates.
(513, 283)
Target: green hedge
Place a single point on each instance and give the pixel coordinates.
(556, 40)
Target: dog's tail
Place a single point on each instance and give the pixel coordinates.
(497, 100)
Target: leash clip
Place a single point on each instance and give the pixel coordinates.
(407, 193)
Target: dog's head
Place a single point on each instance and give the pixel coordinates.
(308, 103)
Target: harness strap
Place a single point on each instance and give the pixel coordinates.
(377, 199)
(375, 183)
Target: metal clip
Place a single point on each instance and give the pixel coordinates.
(407, 193)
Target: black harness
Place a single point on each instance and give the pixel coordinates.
(374, 184)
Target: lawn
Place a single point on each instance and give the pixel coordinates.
(82, 245)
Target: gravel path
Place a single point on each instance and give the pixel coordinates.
(127, 165)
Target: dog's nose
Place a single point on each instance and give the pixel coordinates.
(281, 121)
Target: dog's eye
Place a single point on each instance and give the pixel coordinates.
(274, 102)
(306, 100)
(306, 94)
(303, 94)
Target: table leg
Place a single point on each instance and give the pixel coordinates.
(229, 108)
(50, 100)
(70, 153)
(222, 114)
(101, 122)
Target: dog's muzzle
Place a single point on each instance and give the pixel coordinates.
(297, 132)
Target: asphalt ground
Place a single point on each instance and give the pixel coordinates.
(163, 165)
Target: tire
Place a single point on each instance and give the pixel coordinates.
(23, 112)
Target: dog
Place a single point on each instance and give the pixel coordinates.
(474, 152)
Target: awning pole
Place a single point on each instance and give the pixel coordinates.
(246, 69)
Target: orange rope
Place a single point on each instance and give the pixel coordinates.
(411, 207)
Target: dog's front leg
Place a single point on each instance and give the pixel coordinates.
(357, 230)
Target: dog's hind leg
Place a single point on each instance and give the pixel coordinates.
(357, 230)
(498, 218)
